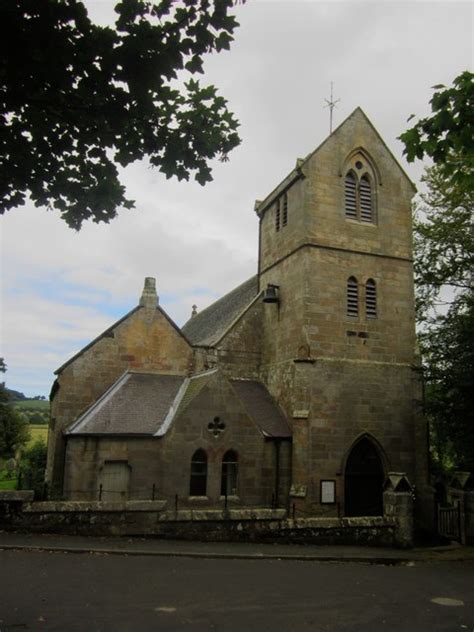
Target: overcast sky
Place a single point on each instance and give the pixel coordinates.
(61, 288)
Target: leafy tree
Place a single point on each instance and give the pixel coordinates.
(78, 99)
(444, 258)
(15, 395)
(449, 370)
(447, 136)
(444, 243)
(33, 468)
(14, 431)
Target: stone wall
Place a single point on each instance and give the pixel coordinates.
(151, 518)
(239, 351)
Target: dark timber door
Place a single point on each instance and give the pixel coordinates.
(363, 481)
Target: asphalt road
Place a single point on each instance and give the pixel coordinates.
(91, 592)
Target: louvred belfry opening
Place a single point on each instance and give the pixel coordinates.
(365, 200)
(351, 196)
(371, 299)
(285, 210)
(352, 297)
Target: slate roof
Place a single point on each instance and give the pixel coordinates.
(207, 327)
(262, 408)
(146, 404)
(194, 386)
(136, 404)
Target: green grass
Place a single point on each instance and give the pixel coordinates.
(7, 484)
(5, 481)
(37, 432)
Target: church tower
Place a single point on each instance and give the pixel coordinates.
(335, 266)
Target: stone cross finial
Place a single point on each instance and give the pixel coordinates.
(149, 297)
(194, 311)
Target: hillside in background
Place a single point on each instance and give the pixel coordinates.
(36, 411)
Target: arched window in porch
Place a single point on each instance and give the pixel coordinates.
(198, 480)
(229, 474)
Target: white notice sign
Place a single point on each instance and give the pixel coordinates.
(328, 492)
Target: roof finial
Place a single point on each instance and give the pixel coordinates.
(331, 104)
(194, 311)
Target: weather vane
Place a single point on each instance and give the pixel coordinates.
(331, 104)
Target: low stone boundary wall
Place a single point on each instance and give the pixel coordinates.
(355, 531)
(154, 518)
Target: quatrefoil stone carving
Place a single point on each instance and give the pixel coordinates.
(216, 426)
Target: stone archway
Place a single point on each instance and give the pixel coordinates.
(363, 480)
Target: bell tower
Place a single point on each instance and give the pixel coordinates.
(335, 265)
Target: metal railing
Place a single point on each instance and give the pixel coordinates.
(449, 522)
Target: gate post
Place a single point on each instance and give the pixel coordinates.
(398, 506)
(469, 516)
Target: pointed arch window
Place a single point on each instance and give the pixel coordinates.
(229, 474)
(350, 185)
(198, 479)
(352, 295)
(365, 199)
(359, 199)
(370, 299)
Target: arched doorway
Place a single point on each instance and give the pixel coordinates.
(363, 480)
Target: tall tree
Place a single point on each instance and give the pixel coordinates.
(444, 244)
(14, 431)
(78, 99)
(444, 260)
(444, 265)
(448, 346)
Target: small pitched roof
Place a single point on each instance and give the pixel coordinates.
(144, 404)
(262, 408)
(137, 404)
(193, 387)
(206, 328)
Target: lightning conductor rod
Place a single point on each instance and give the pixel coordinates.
(331, 104)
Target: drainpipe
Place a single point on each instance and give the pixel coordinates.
(277, 471)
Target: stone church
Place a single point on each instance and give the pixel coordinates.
(299, 387)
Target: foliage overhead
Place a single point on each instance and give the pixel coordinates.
(447, 136)
(78, 99)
